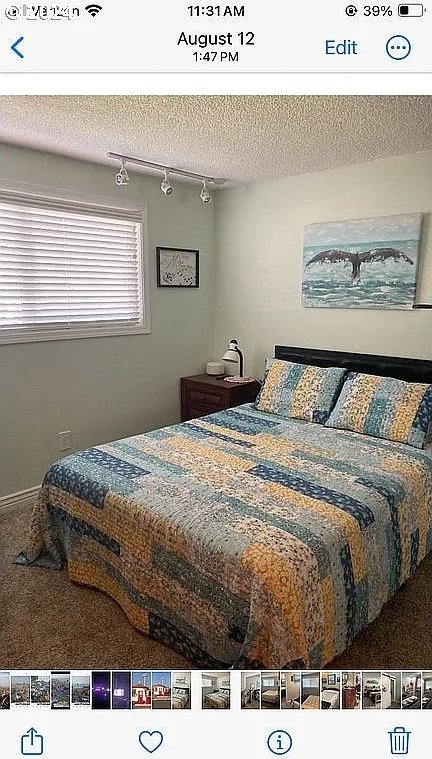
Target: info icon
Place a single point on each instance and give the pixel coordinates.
(351, 10)
(279, 742)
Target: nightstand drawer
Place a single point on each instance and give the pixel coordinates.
(195, 410)
(212, 400)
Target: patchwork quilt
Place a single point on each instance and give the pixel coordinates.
(240, 539)
(271, 695)
(218, 700)
(180, 698)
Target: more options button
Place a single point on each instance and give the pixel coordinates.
(398, 47)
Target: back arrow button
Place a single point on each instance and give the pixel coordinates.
(15, 46)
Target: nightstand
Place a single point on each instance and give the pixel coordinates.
(203, 394)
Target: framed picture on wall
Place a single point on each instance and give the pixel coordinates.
(177, 267)
(362, 263)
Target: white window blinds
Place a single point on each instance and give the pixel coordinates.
(68, 268)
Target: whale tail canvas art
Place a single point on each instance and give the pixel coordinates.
(364, 263)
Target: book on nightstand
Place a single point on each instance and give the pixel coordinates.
(239, 380)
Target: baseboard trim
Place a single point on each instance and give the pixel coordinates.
(19, 499)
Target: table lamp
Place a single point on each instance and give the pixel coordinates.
(234, 355)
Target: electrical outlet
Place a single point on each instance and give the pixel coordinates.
(65, 440)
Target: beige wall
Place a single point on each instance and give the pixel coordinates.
(105, 388)
(259, 231)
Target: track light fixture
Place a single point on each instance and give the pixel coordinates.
(122, 177)
(204, 194)
(166, 185)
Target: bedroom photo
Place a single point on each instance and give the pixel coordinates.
(250, 690)
(216, 393)
(330, 690)
(270, 690)
(216, 690)
(181, 690)
(310, 690)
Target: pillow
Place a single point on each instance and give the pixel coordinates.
(299, 391)
(384, 407)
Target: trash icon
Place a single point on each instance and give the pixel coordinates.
(399, 740)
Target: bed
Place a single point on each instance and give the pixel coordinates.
(180, 698)
(270, 696)
(220, 699)
(243, 539)
(330, 699)
(311, 702)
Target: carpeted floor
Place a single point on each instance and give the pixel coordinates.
(46, 622)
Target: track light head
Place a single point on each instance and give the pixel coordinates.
(204, 194)
(122, 177)
(166, 186)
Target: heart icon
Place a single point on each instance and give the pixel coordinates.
(151, 741)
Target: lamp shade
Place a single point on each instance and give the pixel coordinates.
(234, 355)
(231, 355)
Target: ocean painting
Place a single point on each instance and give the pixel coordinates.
(364, 263)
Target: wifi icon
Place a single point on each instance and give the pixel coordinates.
(93, 9)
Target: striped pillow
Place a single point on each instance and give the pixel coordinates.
(384, 407)
(299, 391)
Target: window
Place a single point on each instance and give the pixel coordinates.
(310, 682)
(69, 270)
(269, 682)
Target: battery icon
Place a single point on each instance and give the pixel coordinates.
(411, 10)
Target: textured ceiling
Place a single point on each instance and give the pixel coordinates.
(241, 138)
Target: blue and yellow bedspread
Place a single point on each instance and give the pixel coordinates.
(241, 539)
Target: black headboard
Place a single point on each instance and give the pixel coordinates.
(408, 369)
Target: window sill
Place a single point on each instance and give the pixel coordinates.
(37, 336)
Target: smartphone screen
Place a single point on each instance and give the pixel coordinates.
(215, 379)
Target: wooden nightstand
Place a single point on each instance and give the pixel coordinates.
(203, 394)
